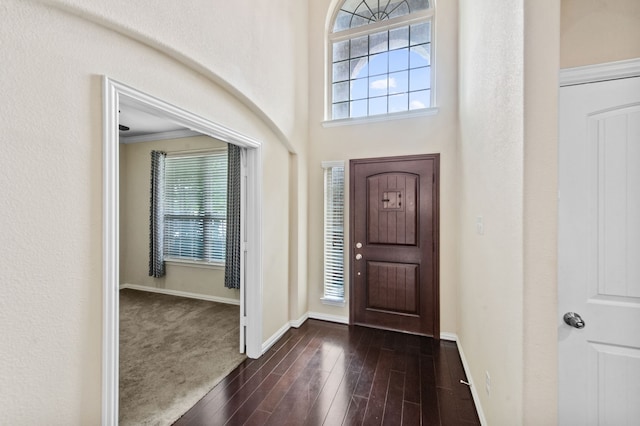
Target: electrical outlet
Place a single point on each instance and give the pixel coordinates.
(487, 382)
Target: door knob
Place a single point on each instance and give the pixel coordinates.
(358, 256)
(574, 320)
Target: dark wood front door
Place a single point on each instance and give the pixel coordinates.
(394, 243)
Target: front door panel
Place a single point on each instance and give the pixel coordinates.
(392, 210)
(394, 226)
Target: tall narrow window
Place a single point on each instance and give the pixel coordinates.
(195, 207)
(381, 58)
(333, 232)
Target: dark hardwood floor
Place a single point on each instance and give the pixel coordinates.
(332, 374)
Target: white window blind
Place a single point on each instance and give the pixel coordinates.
(195, 207)
(334, 230)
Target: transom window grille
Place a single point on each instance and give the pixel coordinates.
(381, 57)
(195, 207)
(333, 231)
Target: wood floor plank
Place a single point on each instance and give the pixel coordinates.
(290, 376)
(369, 366)
(258, 418)
(323, 402)
(377, 398)
(447, 403)
(412, 379)
(296, 403)
(340, 403)
(443, 375)
(221, 394)
(355, 413)
(294, 353)
(395, 397)
(331, 374)
(222, 400)
(428, 394)
(244, 412)
(361, 349)
(410, 414)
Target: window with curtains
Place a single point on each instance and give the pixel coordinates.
(333, 232)
(195, 207)
(380, 54)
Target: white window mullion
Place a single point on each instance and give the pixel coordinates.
(333, 231)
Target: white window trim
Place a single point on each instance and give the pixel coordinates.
(401, 21)
(332, 300)
(423, 112)
(194, 263)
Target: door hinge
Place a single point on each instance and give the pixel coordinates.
(243, 321)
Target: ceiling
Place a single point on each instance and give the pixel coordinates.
(145, 125)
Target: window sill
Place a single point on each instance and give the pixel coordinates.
(333, 301)
(423, 112)
(194, 264)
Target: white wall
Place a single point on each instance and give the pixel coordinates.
(135, 169)
(421, 135)
(491, 147)
(51, 168)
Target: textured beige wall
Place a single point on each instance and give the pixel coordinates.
(596, 31)
(51, 172)
(235, 43)
(490, 150)
(540, 319)
(297, 237)
(433, 134)
(135, 170)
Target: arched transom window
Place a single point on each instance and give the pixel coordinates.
(380, 54)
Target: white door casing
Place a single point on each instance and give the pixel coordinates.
(599, 253)
(251, 228)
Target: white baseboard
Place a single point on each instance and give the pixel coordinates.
(297, 323)
(474, 390)
(275, 337)
(452, 337)
(179, 293)
(327, 317)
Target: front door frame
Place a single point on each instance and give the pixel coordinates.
(436, 231)
(113, 92)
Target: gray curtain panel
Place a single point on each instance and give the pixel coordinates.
(156, 216)
(232, 252)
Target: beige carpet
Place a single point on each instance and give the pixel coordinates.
(173, 350)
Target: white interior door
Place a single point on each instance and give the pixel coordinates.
(599, 253)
